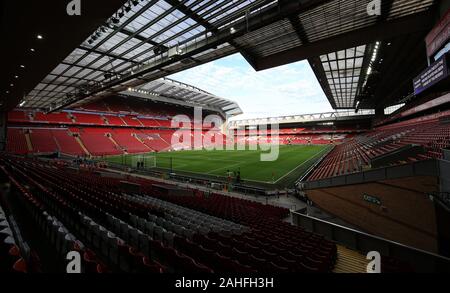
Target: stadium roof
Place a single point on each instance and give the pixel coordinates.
(344, 73)
(378, 71)
(139, 33)
(147, 40)
(303, 118)
(171, 91)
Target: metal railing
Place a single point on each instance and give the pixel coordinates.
(219, 183)
(420, 168)
(420, 260)
(330, 116)
(443, 198)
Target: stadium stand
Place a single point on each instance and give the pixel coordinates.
(92, 119)
(115, 105)
(99, 106)
(10, 257)
(18, 116)
(126, 132)
(156, 141)
(295, 139)
(17, 141)
(163, 123)
(131, 121)
(345, 183)
(147, 122)
(43, 141)
(59, 118)
(142, 233)
(114, 120)
(357, 153)
(66, 143)
(128, 141)
(98, 142)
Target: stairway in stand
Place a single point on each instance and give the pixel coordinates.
(350, 261)
(109, 136)
(29, 144)
(141, 141)
(83, 147)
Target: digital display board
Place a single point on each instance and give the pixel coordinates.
(432, 75)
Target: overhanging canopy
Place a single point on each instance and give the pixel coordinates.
(145, 41)
(171, 91)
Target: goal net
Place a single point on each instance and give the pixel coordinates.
(144, 161)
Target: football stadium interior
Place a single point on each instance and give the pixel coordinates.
(105, 155)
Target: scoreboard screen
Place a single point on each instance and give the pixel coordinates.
(435, 73)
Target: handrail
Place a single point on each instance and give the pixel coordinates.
(443, 198)
(308, 172)
(422, 261)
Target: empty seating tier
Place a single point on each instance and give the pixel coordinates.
(128, 141)
(67, 144)
(10, 257)
(356, 154)
(43, 141)
(98, 143)
(16, 143)
(146, 232)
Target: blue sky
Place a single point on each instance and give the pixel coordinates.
(286, 90)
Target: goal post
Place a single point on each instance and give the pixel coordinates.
(144, 161)
(150, 162)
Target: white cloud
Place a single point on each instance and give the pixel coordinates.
(285, 90)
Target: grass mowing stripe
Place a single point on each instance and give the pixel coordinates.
(316, 156)
(216, 163)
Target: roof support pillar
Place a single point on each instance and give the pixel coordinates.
(3, 130)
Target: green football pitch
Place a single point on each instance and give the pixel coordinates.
(292, 163)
